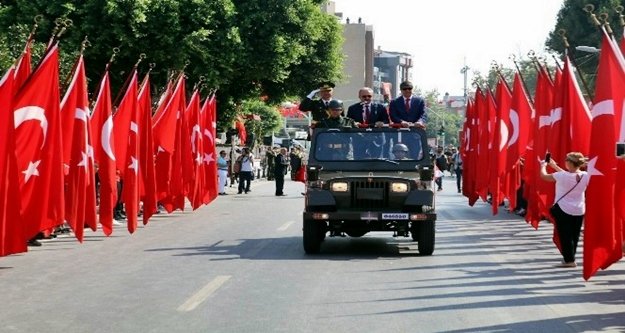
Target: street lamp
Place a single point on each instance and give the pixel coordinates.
(589, 49)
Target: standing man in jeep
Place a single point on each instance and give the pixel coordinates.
(367, 112)
(408, 110)
(318, 107)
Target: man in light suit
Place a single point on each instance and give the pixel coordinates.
(367, 112)
(408, 110)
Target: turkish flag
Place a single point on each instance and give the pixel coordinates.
(520, 120)
(168, 131)
(469, 152)
(38, 147)
(536, 189)
(80, 200)
(147, 181)
(499, 146)
(208, 114)
(126, 134)
(104, 153)
(603, 230)
(197, 185)
(481, 176)
(12, 238)
(23, 66)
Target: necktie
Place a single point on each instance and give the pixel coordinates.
(367, 113)
(407, 104)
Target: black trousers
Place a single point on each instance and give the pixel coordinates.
(245, 180)
(568, 228)
(279, 178)
(459, 179)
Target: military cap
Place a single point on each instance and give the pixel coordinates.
(405, 84)
(326, 85)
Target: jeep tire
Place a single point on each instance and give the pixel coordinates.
(314, 233)
(426, 237)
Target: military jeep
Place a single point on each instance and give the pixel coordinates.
(369, 179)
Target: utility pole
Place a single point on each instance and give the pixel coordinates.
(465, 71)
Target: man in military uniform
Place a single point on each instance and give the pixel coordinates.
(335, 120)
(318, 107)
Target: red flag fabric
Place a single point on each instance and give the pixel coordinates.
(80, 200)
(602, 232)
(481, 178)
(146, 152)
(104, 153)
(38, 147)
(12, 238)
(538, 192)
(469, 151)
(125, 131)
(197, 186)
(499, 147)
(242, 132)
(168, 137)
(23, 67)
(520, 120)
(209, 129)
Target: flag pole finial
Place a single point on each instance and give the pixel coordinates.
(590, 9)
(141, 57)
(619, 10)
(604, 18)
(85, 44)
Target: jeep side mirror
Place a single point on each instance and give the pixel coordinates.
(312, 172)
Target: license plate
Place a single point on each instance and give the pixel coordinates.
(394, 216)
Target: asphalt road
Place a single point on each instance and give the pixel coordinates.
(238, 265)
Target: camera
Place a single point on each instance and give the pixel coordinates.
(548, 157)
(620, 148)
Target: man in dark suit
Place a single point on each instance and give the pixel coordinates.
(408, 110)
(318, 107)
(279, 170)
(367, 112)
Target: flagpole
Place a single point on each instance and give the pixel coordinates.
(568, 49)
(518, 70)
(122, 90)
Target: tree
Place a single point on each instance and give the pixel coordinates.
(581, 31)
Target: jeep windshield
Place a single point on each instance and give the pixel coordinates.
(366, 145)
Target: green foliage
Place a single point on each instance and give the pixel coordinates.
(439, 116)
(581, 31)
(270, 118)
(244, 48)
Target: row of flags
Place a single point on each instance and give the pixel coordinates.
(52, 150)
(506, 136)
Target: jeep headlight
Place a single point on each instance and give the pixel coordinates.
(339, 187)
(399, 187)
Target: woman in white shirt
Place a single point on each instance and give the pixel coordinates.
(570, 202)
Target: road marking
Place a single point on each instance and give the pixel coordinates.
(286, 226)
(201, 296)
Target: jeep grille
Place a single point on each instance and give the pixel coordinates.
(369, 194)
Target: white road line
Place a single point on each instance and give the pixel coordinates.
(201, 296)
(286, 226)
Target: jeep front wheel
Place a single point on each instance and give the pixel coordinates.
(426, 237)
(313, 236)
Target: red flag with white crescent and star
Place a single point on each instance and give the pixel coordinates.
(603, 229)
(104, 153)
(80, 201)
(499, 147)
(38, 147)
(197, 184)
(209, 130)
(126, 133)
(146, 148)
(12, 238)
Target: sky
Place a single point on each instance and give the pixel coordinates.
(442, 34)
